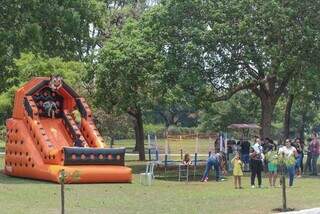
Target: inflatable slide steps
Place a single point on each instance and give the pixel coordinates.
(39, 146)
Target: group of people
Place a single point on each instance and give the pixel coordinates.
(267, 156)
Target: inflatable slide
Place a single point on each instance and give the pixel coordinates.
(44, 137)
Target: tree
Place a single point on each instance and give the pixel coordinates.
(305, 89)
(214, 49)
(113, 126)
(176, 114)
(125, 82)
(30, 65)
(241, 108)
(115, 15)
(287, 117)
(65, 29)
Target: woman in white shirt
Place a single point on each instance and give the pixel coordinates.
(289, 153)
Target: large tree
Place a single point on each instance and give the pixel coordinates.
(115, 15)
(30, 65)
(243, 107)
(214, 49)
(124, 78)
(66, 29)
(302, 102)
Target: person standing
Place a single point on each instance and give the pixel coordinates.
(288, 152)
(257, 157)
(267, 146)
(308, 161)
(230, 153)
(237, 170)
(272, 158)
(299, 145)
(314, 151)
(245, 151)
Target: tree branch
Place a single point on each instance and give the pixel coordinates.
(132, 112)
(256, 91)
(283, 85)
(251, 85)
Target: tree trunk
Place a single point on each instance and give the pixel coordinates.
(166, 121)
(267, 106)
(300, 130)
(136, 133)
(112, 142)
(139, 133)
(165, 118)
(287, 117)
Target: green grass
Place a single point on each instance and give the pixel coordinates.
(187, 145)
(29, 196)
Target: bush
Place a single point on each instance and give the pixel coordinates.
(157, 129)
(177, 130)
(112, 126)
(3, 133)
(160, 130)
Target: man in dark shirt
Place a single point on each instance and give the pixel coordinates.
(256, 164)
(245, 150)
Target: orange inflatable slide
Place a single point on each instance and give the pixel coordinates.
(43, 137)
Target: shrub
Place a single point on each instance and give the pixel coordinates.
(157, 129)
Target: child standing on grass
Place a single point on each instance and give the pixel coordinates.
(237, 170)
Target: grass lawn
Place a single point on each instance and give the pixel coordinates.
(29, 196)
(187, 145)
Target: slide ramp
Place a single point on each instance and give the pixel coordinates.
(40, 144)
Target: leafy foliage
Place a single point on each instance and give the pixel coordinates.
(31, 65)
(241, 108)
(113, 126)
(214, 49)
(66, 29)
(124, 77)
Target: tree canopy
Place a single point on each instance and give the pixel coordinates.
(216, 62)
(213, 49)
(30, 65)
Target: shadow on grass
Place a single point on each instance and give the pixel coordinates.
(277, 210)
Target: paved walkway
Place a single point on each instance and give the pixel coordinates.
(308, 211)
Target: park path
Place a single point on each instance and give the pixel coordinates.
(308, 211)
